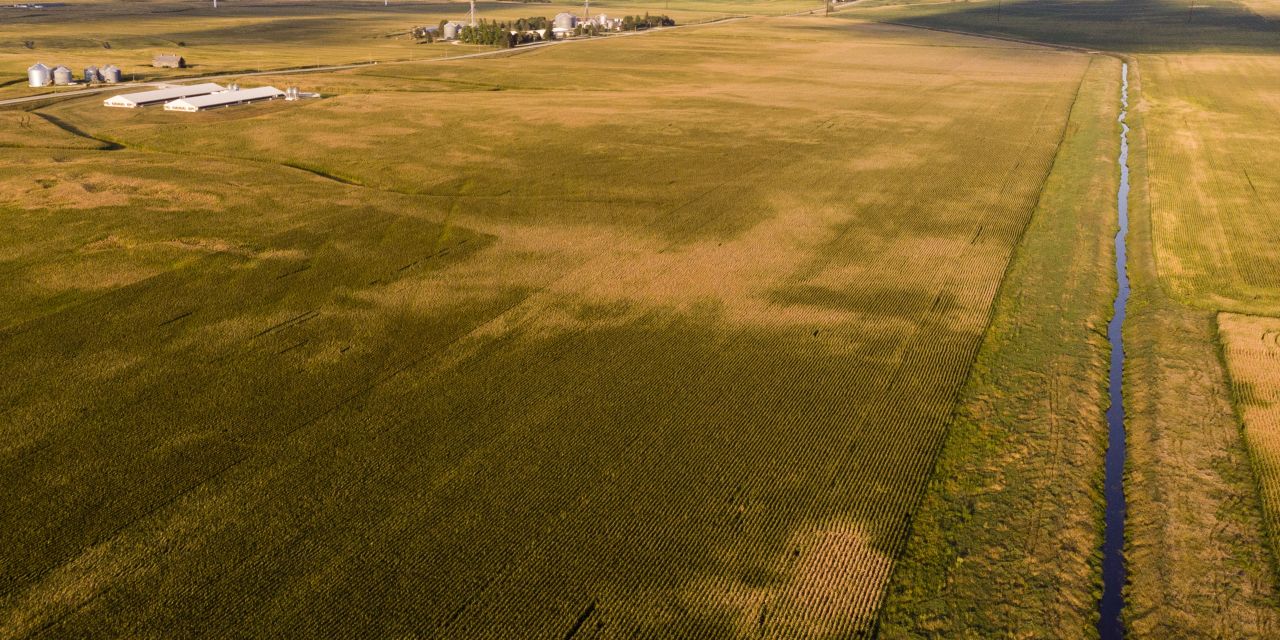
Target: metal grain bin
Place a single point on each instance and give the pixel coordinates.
(62, 75)
(451, 30)
(91, 75)
(39, 75)
(566, 21)
(110, 73)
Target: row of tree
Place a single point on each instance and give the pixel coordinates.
(506, 34)
(640, 23)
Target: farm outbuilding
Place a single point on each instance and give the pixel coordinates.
(91, 75)
(169, 61)
(62, 75)
(110, 73)
(451, 30)
(39, 75)
(157, 96)
(224, 99)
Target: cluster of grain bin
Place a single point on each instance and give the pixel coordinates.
(38, 75)
(109, 73)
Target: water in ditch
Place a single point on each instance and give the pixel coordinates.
(1113, 568)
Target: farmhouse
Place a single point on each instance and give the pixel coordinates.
(144, 98)
(169, 61)
(224, 99)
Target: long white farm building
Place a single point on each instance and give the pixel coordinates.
(145, 98)
(224, 99)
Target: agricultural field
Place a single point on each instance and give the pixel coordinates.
(654, 336)
(1215, 178)
(1004, 543)
(1252, 353)
(1203, 91)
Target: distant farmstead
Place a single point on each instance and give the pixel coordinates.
(169, 61)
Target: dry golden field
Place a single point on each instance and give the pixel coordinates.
(1252, 353)
(1215, 177)
(654, 336)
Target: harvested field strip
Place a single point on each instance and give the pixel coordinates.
(1251, 348)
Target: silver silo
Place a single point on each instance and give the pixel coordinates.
(62, 75)
(566, 21)
(451, 30)
(110, 73)
(91, 75)
(38, 75)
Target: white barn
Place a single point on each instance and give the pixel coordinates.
(144, 98)
(224, 99)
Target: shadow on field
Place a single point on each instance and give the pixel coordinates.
(311, 452)
(1150, 26)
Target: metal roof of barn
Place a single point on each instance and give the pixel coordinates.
(166, 94)
(224, 98)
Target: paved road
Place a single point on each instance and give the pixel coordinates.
(340, 67)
